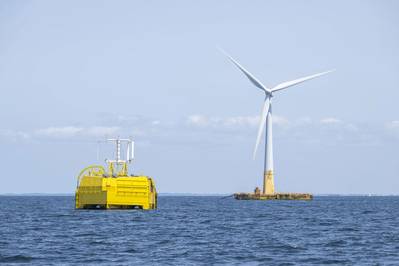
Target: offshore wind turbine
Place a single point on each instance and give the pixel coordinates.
(266, 118)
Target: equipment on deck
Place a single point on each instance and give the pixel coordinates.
(114, 188)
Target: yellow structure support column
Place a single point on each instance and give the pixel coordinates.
(268, 182)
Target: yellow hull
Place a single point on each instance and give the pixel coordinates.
(96, 191)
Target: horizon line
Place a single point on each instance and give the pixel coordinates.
(196, 194)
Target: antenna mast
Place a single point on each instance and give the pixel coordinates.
(129, 151)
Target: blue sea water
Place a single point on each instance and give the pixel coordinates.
(47, 230)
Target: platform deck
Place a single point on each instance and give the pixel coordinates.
(276, 196)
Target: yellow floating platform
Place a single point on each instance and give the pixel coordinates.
(98, 189)
(274, 196)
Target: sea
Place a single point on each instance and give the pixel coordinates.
(202, 230)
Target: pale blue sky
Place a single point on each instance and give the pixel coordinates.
(72, 72)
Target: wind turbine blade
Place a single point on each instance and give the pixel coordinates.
(252, 78)
(287, 84)
(262, 122)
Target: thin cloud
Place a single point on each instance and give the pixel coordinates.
(68, 131)
(14, 135)
(72, 131)
(281, 121)
(241, 121)
(330, 120)
(393, 124)
(329, 130)
(101, 131)
(231, 122)
(198, 120)
(392, 128)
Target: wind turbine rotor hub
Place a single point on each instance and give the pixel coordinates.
(269, 95)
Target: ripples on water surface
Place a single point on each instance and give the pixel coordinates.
(202, 230)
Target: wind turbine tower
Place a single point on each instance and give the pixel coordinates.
(266, 119)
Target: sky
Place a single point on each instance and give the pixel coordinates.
(73, 73)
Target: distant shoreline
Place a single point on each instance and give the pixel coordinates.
(192, 195)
